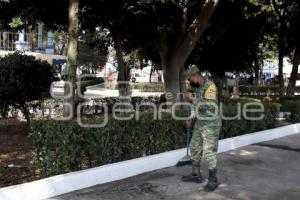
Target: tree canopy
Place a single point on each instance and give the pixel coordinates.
(214, 35)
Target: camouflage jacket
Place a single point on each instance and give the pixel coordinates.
(206, 102)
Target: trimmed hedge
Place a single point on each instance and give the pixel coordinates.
(293, 107)
(149, 87)
(143, 87)
(23, 79)
(236, 127)
(244, 90)
(111, 101)
(64, 146)
(252, 90)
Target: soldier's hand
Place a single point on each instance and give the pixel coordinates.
(189, 97)
(189, 124)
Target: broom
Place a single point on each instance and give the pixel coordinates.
(186, 160)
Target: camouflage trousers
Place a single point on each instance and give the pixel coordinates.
(204, 142)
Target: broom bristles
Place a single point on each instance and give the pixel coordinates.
(186, 160)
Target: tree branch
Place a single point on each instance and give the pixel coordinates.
(182, 30)
(184, 20)
(164, 53)
(276, 9)
(196, 29)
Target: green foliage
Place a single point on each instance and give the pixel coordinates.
(244, 100)
(4, 109)
(236, 40)
(16, 23)
(93, 50)
(292, 106)
(64, 146)
(24, 79)
(236, 127)
(143, 87)
(135, 102)
(149, 87)
(260, 90)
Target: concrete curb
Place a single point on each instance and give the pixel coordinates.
(61, 184)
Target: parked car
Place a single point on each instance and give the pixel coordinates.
(244, 81)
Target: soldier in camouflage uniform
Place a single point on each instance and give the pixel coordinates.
(204, 142)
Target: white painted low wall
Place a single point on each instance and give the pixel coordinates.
(262, 136)
(57, 185)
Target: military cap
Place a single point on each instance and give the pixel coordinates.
(191, 72)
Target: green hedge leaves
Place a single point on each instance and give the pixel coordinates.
(64, 146)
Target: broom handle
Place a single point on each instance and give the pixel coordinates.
(187, 140)
(188, 133)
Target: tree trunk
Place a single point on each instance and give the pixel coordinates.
(236, 87)
(69, 107)
(172, 83)
(280, 60)
(225, 88)
(257, 74)
(123, 72)
(150, 76)
(294, 75)
(27, 115)
(196, 29)
(174, 54)
(23, 108)
(171, 70)
(280, 74)
(182, 80)
(141, 61)
(261, 75)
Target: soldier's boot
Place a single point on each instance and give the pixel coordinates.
(195, 176)
(212, 181)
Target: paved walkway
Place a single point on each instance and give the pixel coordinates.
(269, 170)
